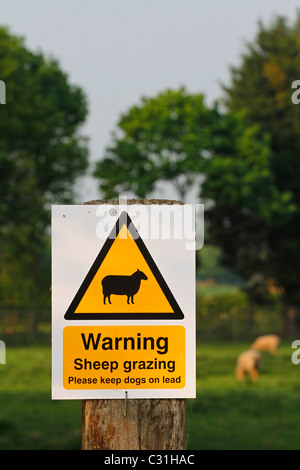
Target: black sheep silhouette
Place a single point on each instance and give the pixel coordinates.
(122, 285)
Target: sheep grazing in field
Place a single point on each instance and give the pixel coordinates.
(266, 343)
(248, 364)
(122, 285)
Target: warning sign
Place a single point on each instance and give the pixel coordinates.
(123, 302)
(124, 282)
(121, 357)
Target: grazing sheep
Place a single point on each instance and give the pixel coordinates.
(248, 363)
(122, 285)
(266, 343)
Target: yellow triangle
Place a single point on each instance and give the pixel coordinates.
(124, 282)
(123, 259)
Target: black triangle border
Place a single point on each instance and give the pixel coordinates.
(177, 312)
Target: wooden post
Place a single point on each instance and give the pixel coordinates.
(137, 424)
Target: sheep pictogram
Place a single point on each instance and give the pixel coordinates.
(122, 285)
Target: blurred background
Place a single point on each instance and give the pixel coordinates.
(170, 99)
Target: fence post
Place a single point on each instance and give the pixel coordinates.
(133, 424)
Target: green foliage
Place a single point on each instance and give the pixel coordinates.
(228, 312)
(221, 314)
(41, 155)
(220, 306)
(175, 137)
(262, 86)
(257, 221)
(209, 267)
(227, 318)
(25, 273)
(162, 139)
(262, 83)
(239, 175)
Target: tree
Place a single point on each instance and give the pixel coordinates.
(162, 139)
(172, 137)
(261, 85)
(41, 150)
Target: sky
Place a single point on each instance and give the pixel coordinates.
(120, 50)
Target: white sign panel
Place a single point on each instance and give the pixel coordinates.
(123, 301)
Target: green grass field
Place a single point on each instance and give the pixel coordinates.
(231, 415)
(29, 419)
(225, 415)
